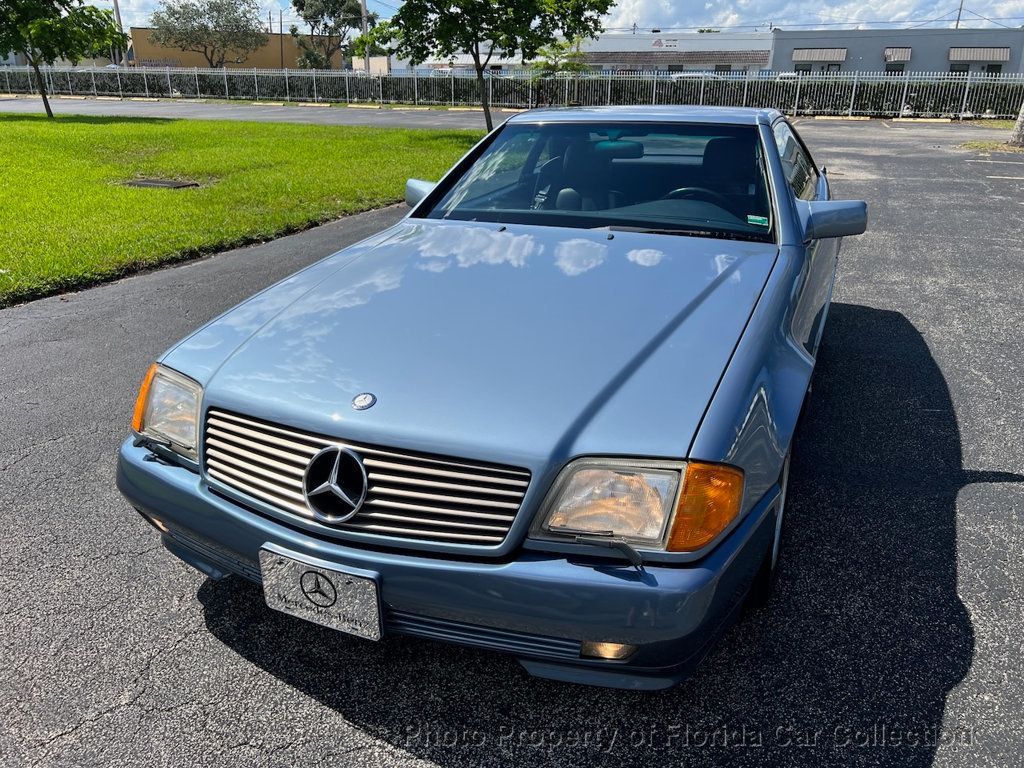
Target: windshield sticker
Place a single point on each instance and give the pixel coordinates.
(761, 221)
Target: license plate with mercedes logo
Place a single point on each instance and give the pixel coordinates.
(340, 599)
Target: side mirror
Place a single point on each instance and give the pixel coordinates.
(416, 190)
(833, 218)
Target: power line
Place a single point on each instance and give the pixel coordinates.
(986, 18)
(994, 20)
(944, 16)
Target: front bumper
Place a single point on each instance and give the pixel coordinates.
(537, 606)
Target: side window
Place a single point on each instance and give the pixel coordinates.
(800, 171)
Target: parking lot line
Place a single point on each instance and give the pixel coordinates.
(1004, 162)
(1012, 178)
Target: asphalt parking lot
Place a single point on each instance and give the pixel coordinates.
(894, 637)
(407, 117)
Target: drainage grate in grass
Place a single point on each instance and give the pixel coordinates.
(161, 183)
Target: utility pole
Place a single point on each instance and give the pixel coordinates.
(280, 33)
(120, 28)
(960, 11)
(366, 48)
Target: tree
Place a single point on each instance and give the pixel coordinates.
(1017, 136)
(481, 28)
(46, 30)
(330, 24)
(379, 39)
(213, 28)
(561, 56)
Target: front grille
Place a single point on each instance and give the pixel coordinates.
(409, 496)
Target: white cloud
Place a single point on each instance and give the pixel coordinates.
(136, 13)
(790, 13)
(666, 13)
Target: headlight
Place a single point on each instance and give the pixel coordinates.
(654, 505)
(167, 409)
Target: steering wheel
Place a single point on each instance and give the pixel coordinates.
(710, 195)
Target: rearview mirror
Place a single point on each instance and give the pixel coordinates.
(416, 190)
(833, 218)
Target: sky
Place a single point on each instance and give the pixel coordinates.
(745, 14)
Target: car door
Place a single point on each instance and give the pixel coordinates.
(807, 183)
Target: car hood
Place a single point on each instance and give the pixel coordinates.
(522, 345)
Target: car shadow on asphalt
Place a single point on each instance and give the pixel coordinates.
(850, 661)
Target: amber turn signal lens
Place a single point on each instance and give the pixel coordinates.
(711, 499)
(140, 401)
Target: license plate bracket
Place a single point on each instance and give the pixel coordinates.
(345, 599)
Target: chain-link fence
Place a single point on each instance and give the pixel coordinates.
(875, 94)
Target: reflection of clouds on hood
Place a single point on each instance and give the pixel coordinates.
(645, 257)
(467, 246)
(723, 262)
(576, 256)
(354, 294)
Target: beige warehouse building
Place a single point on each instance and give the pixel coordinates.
(282, 51)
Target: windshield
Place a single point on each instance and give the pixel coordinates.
(680, 178)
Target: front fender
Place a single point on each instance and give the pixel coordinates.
(753, 413)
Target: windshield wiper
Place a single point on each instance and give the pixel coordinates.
(717, 233)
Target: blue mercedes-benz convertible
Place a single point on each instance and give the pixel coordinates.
(548, 413)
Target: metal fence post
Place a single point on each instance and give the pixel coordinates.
(196, 69)
(347, 99)
(654, 88)
(796, 96)
(380, 84)
(903, 99)
(452, 76)
(415, 87)
(565, 101)
(490, 90)
(608, 101)
(853, 94)
(256, 83)
(227, 93)
(287, 89)
(316, 95)
(746, 82)
(702, 79)
(120, 93)
(93, 73)
(145, 82)
(967, 88)
(71, 91)
(7, 77)
(529, 92)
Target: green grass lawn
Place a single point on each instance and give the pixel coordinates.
(1005, 124)
(67, 220)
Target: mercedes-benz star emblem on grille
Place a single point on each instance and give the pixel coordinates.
(318, 589)
(363, 401)
(334, 484)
